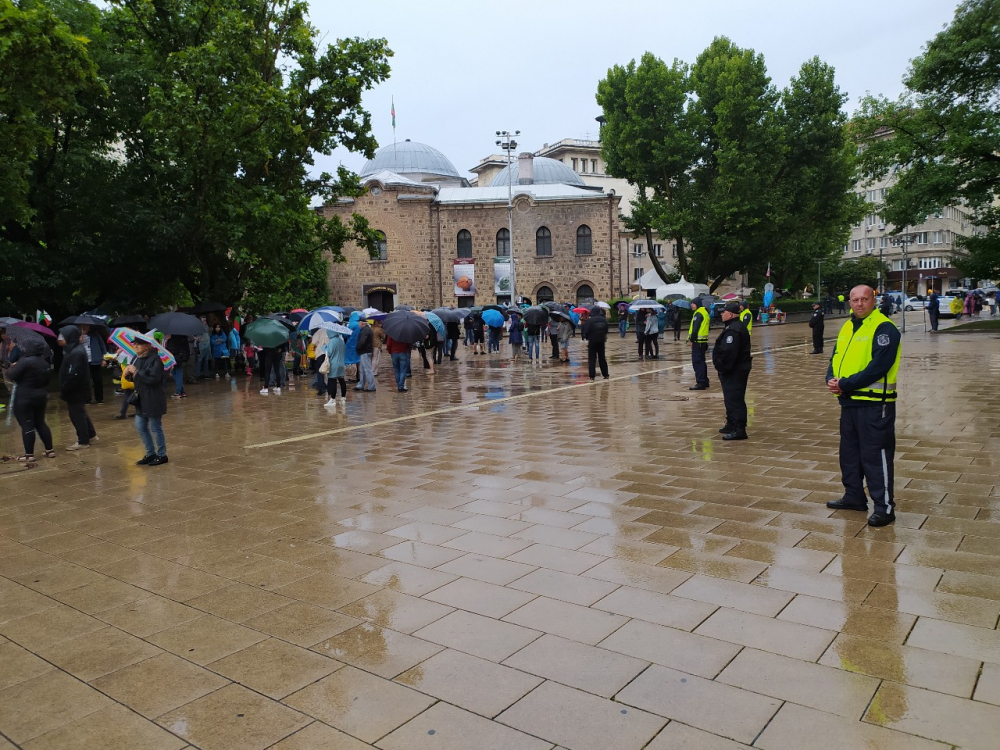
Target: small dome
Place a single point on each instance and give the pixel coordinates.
(409, 157)
(547, 172)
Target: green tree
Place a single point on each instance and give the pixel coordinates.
(647, 140)
(850, 273)
(941, 138)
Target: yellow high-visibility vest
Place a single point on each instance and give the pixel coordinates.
(854, 353)
(702, 336)
(747, 317)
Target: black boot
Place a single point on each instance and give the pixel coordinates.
(738, 434)
(727, 428)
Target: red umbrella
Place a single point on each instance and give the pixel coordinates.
(730, 296)
(581, 310)
(36, 327)
(299, 309)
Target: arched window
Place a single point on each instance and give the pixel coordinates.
(503, 243)
(543, 242)
(584, 240)
(464, 244)
(544, 294)
(383, 246)
(585, 295)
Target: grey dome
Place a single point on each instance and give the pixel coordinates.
(409, 157)
(547, 172)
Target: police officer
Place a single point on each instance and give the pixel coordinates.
(862, 375)
(698, 341)
(732, 360)
(817, 323)
(746, 315)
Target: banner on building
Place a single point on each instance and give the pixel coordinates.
(465, 278)
(501, 276)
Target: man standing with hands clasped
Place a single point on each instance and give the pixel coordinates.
(733, 361)
(862, 375)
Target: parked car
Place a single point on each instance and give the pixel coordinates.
(919, 303)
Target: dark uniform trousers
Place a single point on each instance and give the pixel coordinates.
(698, 363)
(818, 338)
(595, 355)
(867, 448)
(734, 393)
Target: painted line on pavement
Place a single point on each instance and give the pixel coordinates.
(480, 404)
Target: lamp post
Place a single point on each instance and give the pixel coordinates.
(505, 140)
(903, 240)
(819, 277)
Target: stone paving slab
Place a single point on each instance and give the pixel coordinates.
(510, 556)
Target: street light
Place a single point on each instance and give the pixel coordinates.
(505, 140)
(819, 276)
(904, 240)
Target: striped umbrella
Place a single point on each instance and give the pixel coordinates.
(125, 338)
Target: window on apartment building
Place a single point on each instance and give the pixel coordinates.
(856, 246)
(883, 242)
(897, 265)
(585, 295)
(673, 251)
(872, 196)
(940, 237)
(574, 166)
(543, 242)
(658, 251)
(871, 244)
(930, 263)
(503, 243)
(921, 238)
(637, 273)
(593, 166)
(882, 193)
(463, 245)
(844, 248)
(584, 240)
(638, 249)
(544, 294)
(583, 166)
(383, 246)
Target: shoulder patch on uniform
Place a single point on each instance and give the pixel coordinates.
(882, 339)
(729, 339)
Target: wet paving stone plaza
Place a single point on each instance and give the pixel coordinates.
(510, 556)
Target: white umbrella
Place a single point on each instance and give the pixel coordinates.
(605, 305)
(369, 311)
(335, 328)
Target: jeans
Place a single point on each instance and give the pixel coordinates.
(367, 376)
(178, 372)
(148, 429)
(400, 362)
(622, 327)
(204, 367)
(532, 346)
(469, 337)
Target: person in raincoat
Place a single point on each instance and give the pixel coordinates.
(956, 307)
(351, 357)
(516, 336)
(335, 352)
(235, 346)
(220, 350)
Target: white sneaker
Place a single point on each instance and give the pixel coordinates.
(342, 401)
(95, 439)
(263, 391)
(216, 376)
(228, 376)
(277, 391)
(76, 447)
(330, 403)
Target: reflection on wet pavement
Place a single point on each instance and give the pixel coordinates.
(511, 556)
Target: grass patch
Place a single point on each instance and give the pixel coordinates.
(975, 326)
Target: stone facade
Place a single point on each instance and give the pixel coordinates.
(422, 228)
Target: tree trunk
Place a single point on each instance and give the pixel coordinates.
(652, 256)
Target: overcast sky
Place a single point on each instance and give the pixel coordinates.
(463, 70)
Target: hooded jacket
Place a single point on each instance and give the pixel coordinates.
(149, 384)
(351, 355)
(74, 375)
(596, 329)
(31, 371)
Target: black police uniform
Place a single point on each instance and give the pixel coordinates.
(733, 361)
(817, 323)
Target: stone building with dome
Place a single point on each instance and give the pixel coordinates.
(444, 242)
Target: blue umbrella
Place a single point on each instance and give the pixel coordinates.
(682, 303)
(437, 323)
(492, 318)
(320, 315)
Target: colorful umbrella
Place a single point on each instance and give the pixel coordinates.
(36, 327)
(321, 315)
(267, 333)
(124, 339)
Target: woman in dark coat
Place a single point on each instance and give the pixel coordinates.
(31, 375)
(147, 373)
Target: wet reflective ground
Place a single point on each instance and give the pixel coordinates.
(511, 557)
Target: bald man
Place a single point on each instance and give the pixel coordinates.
(862, 375)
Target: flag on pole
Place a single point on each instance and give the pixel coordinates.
(768, 274)
(393, 112)
(43, 317)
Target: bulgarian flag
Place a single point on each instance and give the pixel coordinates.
(393, 112)
(43, 318)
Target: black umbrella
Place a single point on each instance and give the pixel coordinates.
(207, 306)
(536, 316)
(127, 320)
(177, 324)
(450, 316)
(562, 315)
(404, 308)
(406, 326)
(502, 310)
(283, 319)
(81, 320)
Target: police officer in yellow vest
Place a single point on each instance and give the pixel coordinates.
(746, 315)
(862, 375)
(698, 341)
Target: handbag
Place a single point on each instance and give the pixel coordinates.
(325, 367)
(133, 399)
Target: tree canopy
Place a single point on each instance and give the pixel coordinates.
(941, 138)
(735, 172)
(169, 158)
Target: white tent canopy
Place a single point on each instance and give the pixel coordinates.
(651, 279)
(689, 289)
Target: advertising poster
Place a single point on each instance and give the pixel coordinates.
(501, 276)
(465, 278)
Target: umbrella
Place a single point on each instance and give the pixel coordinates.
(282, 318)
(322, 315)
(300, 310)
(536, 316)
(581, 310)
(493, 318)
(730, 296)
(128, 320)
(450, 316)
(100, 316)
(498, 308)
(345, 309)
(683, 304)
(605, 305)
(21, 335)
(562, 315)
(5, 321)
(335, 328)
(36, 327)
(474, 310)
(645, 304)
(267, 333)
(207, 306)
(406, 326)
(369, 311)
(177, 324)
(554, 305)
(404, 308)
(81, 320)
(125, 338)
(437, 323)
